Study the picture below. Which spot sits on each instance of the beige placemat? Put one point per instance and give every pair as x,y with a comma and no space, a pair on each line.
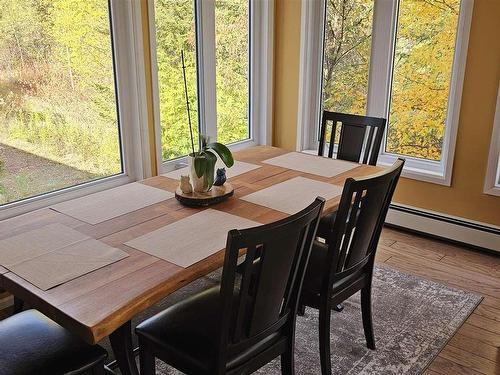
293,195
98,207
192,239
24,246
239,167
59,266
307,163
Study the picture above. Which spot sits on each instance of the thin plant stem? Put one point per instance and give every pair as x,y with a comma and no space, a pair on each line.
187,101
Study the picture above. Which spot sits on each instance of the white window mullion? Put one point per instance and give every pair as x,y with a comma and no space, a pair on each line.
381,58
131,88
261,79
456,86
207,102
310,75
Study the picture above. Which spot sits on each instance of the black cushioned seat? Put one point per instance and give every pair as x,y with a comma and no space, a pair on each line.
31,343
189,330
326,224
318,265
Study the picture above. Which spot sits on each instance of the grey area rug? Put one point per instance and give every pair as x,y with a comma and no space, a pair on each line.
413,321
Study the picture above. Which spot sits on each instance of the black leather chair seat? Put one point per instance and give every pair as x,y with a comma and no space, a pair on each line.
316,268
326,224
189,331
316,271
31,343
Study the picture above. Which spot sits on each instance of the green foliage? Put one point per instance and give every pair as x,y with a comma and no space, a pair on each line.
347,53
57,96
175,31
422,72
423,60
232,59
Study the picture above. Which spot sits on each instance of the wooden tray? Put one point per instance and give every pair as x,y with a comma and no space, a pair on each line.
215,195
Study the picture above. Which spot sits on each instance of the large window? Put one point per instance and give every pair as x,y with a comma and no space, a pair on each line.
58,120
215,37
400,59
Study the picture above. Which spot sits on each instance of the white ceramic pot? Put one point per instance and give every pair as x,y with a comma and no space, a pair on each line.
200,185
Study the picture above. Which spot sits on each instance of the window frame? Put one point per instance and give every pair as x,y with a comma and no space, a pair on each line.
379,83
261,34
492,177
130,93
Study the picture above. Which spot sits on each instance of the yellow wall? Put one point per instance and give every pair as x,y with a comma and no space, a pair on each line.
286,72
465,197
149,85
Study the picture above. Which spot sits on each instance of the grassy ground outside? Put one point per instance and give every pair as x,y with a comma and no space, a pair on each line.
25,174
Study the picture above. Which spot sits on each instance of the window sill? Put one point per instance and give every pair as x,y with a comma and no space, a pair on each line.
415,169
45,200
493,190
419,169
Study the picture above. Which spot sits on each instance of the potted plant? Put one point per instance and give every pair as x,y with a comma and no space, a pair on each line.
202,163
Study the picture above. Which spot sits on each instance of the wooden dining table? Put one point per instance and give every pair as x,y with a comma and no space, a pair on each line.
102,303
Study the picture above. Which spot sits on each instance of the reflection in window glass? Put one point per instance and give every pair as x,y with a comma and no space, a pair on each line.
58,119
425,46
232,61
175,31
348,29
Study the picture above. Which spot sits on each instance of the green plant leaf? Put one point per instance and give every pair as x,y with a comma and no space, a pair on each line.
200,163
223,152
211,160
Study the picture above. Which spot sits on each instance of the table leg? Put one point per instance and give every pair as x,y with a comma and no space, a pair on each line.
121,343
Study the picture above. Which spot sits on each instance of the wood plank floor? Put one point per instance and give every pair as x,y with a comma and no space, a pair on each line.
475,348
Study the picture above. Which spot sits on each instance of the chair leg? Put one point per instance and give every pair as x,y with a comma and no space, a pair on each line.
301,310
146,359
324,339
366,312
287,359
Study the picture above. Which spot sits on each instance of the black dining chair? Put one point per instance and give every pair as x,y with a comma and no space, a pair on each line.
247,321
359,141
32,344
360,137
343,266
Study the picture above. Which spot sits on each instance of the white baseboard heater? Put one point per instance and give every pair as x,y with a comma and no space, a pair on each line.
459,230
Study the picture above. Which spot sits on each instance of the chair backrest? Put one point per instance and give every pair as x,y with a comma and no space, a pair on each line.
264,300
356,230
360,137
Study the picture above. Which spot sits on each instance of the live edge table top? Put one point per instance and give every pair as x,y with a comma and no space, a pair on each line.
96,304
